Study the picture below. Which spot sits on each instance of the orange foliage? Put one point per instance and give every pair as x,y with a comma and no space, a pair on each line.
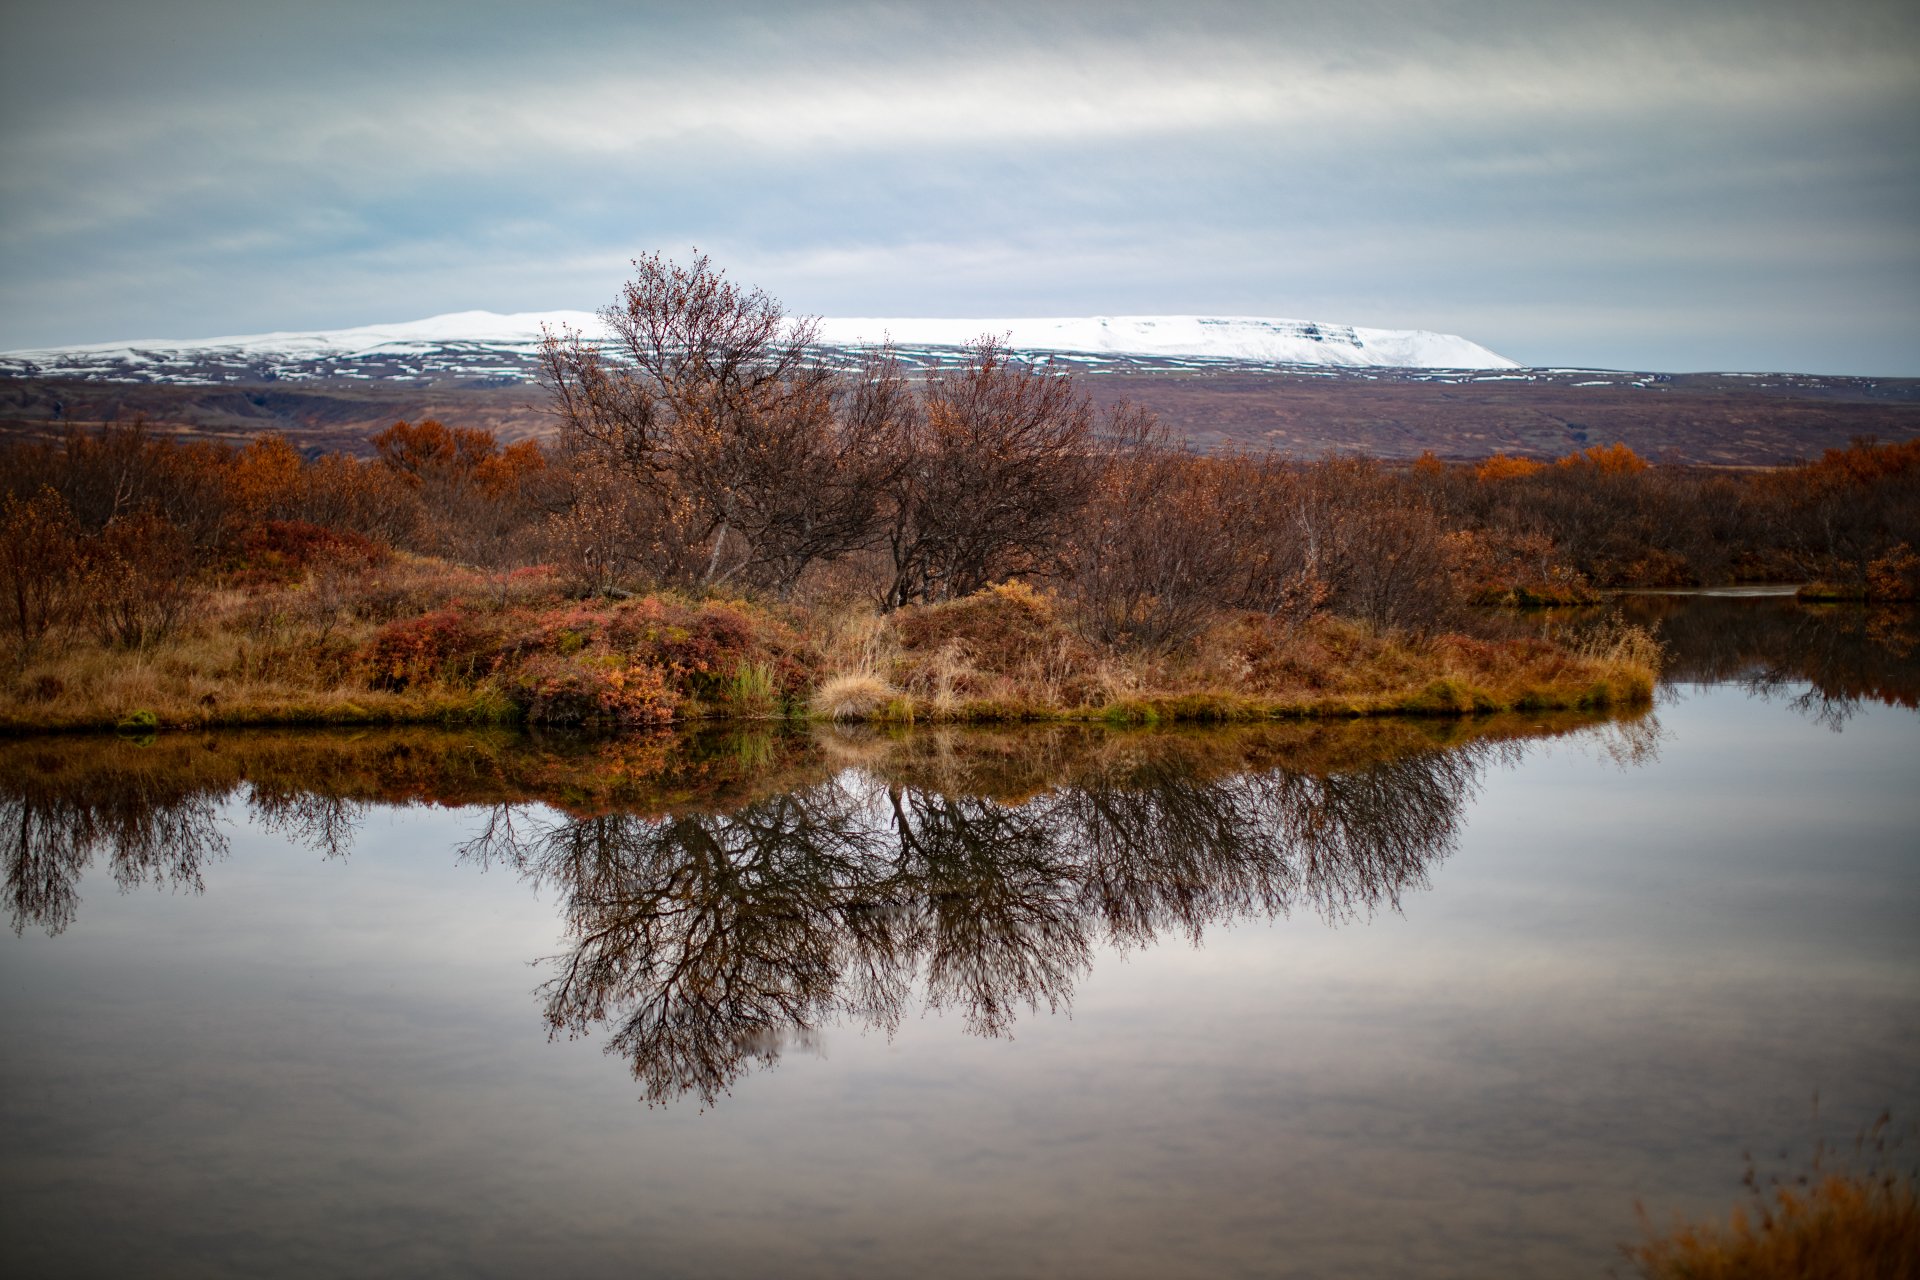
1840,1226
266,478
1607,460
500,474
429,447
419,650
1502,467
1894,576
1863,463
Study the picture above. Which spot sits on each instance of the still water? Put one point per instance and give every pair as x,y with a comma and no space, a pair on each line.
1397,999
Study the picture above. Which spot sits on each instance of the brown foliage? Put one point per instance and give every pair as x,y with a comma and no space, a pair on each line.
37,559
996,470
136,580
1153,558
714,409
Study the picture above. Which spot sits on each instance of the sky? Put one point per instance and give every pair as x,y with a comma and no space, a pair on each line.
1665,186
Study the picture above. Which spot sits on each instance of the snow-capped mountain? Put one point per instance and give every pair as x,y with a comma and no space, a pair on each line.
482,346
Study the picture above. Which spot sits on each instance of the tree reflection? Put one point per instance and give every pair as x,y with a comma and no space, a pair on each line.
710,941
150,832
724,898
1825,661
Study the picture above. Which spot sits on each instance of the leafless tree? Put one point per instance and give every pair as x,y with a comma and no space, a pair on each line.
707,391
996,468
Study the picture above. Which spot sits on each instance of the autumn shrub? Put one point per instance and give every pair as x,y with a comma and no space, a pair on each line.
136,580
1374,549
38,552
283,550
1151,561
1858,1219
364,498
1517,567
704,647
598,689
267,479
447,644
1502,467
607,532
1894,576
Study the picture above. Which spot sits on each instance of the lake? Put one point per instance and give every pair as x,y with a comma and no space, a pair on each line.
1397,998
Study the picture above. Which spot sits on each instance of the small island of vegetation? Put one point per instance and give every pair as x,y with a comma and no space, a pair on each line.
725,527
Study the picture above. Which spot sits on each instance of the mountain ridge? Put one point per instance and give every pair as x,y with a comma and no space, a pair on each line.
504,347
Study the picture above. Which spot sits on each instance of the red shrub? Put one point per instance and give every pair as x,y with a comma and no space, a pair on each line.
609,692
434,646
282,550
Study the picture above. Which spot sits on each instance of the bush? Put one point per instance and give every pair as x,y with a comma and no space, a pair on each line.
416,651
37,555
1152,563
597,691
283,550
1860,1223
136,581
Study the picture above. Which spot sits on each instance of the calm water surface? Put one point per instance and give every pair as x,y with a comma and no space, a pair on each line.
1394,1000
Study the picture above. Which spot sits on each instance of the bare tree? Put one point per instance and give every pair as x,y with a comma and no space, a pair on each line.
996,466
707,392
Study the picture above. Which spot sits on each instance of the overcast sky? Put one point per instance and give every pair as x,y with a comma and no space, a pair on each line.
1657,186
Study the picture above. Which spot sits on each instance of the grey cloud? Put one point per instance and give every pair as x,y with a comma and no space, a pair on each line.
1590,184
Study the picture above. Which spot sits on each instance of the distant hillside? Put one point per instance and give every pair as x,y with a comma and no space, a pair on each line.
1718,419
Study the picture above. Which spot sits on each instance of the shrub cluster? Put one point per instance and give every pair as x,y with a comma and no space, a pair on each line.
1604,516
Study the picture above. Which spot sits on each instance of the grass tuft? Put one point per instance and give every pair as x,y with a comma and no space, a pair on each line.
854,696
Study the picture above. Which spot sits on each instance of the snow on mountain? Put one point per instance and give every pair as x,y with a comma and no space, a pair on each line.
1241,338
486,345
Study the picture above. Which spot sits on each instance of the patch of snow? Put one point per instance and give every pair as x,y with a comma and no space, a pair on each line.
484,334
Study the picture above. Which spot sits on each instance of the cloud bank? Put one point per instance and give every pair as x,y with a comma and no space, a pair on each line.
1651,186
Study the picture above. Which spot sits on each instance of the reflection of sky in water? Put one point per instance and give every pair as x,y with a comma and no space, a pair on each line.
1621,978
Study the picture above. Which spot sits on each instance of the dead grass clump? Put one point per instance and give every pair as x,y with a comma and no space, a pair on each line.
853,696
1007,644
1004,629
1861,1223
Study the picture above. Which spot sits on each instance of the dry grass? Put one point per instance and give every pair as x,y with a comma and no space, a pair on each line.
855,696
1842,1227
363,649
1855,1223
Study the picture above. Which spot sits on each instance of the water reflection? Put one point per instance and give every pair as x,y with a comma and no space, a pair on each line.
724,897
1823,660
707,941
154,828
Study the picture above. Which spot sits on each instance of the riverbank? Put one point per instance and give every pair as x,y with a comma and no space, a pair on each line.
426,643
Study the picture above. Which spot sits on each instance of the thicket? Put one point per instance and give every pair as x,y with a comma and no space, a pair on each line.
1847,522
705,454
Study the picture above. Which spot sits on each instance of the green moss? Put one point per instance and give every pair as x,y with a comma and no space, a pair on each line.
141,721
